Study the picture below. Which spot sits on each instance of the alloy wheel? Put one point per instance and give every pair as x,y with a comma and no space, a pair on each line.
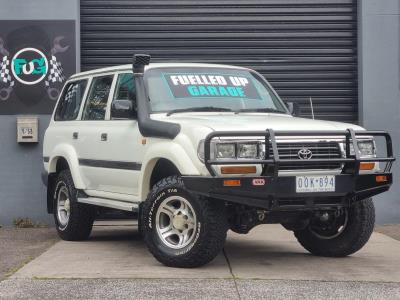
176,222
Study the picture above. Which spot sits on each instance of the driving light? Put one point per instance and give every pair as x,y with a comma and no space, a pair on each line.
226,150
247,150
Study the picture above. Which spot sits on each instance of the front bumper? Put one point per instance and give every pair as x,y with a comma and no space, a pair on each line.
279,193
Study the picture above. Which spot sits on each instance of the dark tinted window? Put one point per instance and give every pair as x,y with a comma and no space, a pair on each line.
71,100
125,89
96,103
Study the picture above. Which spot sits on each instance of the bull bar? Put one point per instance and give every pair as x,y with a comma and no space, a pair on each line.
279,192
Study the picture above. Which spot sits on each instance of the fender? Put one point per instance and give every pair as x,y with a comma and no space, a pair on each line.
68,152
171,151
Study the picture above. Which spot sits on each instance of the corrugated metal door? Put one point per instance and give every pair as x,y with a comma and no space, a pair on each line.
305,48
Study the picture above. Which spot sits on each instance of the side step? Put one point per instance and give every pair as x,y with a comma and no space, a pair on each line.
127,206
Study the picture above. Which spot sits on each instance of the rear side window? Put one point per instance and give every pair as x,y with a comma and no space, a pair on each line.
70,102
96,103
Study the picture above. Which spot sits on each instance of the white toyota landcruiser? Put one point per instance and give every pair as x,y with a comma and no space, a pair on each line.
197,149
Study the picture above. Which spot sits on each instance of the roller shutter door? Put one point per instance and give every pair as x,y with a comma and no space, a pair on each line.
305,48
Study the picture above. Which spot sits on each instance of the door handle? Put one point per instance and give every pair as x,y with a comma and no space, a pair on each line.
75,135
104,137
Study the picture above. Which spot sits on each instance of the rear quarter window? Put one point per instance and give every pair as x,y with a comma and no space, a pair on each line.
70,101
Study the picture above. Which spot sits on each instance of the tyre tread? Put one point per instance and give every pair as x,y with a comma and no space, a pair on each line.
355,236
81,220
215,225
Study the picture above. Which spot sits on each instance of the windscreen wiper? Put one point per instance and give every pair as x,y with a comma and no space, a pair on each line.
265,109
198,109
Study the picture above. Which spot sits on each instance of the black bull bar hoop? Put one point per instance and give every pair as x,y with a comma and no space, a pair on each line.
351,162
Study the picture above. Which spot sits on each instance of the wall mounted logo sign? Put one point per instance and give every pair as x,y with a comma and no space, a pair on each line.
29,66
36,57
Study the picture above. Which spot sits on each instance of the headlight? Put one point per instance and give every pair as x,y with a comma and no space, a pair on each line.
226,150
230,150
247,150
367,148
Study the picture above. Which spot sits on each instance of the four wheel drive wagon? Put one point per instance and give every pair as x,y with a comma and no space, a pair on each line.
197,149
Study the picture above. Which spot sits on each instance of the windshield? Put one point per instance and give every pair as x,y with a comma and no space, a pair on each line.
219,89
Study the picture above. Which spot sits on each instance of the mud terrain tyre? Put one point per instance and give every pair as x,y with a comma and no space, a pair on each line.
180,229
74,221
356,233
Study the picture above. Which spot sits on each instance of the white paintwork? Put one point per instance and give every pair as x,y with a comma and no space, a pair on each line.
111,195
251,121
109,203
111,187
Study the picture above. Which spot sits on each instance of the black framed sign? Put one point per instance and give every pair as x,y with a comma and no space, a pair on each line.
36,57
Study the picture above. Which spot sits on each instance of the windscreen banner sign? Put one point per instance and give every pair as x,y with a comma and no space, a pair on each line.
36,57
211,86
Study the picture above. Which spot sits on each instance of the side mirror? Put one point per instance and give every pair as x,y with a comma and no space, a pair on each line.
122,109
294,108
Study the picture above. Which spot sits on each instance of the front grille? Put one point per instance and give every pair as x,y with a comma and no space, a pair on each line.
320,150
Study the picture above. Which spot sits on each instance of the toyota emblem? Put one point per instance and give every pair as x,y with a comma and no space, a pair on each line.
304,153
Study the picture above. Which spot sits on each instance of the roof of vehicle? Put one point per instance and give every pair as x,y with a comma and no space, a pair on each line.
128,67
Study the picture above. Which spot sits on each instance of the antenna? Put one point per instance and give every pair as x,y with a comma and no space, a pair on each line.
312,109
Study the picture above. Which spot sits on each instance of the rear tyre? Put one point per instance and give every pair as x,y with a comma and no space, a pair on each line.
74,221
341,233
180,229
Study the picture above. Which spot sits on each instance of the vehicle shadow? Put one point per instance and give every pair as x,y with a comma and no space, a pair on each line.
237,246
267,252
115,233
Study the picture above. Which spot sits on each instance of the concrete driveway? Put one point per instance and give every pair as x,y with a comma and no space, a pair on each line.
268,263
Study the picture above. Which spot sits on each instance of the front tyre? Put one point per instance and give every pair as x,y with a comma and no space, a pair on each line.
180,229
339,233
73,220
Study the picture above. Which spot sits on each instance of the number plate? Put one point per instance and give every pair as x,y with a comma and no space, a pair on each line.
315,184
